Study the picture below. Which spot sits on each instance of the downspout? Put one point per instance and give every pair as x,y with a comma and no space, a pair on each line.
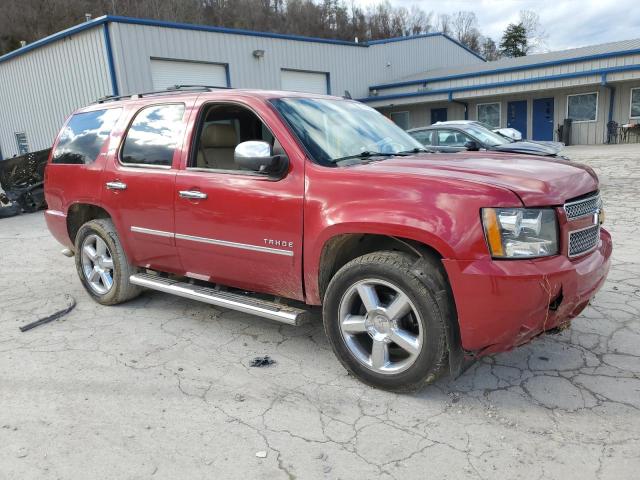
612,95
464,104
110,63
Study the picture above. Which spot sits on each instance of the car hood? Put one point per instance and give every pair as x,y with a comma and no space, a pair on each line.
537,181
531,148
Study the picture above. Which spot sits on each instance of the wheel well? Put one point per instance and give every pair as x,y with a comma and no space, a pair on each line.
81,213
341,249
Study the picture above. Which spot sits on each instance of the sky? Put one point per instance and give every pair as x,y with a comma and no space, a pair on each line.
568,23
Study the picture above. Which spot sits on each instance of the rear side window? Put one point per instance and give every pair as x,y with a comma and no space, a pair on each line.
154,135
424,137
82,138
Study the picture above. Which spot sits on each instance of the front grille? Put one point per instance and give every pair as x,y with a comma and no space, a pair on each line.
582,208
583,241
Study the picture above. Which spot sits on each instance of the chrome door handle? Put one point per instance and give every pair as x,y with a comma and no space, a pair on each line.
116,185
192,194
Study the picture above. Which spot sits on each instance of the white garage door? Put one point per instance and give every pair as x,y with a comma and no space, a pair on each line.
167,73
310,82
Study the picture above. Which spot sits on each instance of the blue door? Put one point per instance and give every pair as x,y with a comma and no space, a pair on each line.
543,119
438,115
517,116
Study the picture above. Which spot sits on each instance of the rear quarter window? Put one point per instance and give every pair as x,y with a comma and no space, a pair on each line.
84,135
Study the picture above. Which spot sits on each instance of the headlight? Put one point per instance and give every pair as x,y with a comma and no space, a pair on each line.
520,232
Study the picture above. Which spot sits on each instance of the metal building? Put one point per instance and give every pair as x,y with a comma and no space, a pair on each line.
414,80
42,83
534,94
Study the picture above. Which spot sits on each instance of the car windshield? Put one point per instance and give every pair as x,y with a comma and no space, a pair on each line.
335,130
485,135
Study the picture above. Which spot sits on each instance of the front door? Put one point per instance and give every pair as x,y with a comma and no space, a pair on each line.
517,116
138,184
236,227
543,119
438,115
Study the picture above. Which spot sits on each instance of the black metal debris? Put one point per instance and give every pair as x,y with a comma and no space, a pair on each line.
22,179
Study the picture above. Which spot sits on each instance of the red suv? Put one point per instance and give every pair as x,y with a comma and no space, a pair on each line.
265,201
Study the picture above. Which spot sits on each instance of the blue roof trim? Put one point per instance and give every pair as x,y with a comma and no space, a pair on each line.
424,35
524,81
53,38
518,68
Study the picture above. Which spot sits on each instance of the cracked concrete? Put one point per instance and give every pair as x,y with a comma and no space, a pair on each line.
161,387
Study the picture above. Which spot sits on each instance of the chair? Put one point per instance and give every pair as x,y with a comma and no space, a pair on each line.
217,146
613,132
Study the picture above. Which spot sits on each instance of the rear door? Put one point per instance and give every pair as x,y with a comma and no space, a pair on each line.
236,227
139,181
542,119
517,116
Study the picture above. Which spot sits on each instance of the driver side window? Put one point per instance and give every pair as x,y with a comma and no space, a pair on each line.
221,129
452,138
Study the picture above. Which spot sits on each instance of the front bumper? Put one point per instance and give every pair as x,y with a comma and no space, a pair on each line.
505,303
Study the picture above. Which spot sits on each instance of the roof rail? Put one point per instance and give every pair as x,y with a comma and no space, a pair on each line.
167,91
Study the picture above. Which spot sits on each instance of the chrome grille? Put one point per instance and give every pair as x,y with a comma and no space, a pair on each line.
583,241
582,208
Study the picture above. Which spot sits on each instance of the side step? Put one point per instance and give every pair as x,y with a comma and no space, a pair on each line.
262,308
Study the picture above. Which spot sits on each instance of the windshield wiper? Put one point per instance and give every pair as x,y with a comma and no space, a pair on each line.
417,150
365,154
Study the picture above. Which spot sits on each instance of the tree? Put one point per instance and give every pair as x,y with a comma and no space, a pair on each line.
489,49
464,26
536,35
514,41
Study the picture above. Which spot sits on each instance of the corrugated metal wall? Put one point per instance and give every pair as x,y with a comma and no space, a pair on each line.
350,67
40,89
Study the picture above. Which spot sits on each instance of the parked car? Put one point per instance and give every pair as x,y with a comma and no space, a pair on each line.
459,136
508,133
270,202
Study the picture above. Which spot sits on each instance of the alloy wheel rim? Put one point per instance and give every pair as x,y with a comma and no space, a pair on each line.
97,264
381,326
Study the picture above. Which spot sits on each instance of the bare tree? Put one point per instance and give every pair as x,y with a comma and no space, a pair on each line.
536,34
465,29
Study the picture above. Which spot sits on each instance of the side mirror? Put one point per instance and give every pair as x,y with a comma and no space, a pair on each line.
472,145
255,155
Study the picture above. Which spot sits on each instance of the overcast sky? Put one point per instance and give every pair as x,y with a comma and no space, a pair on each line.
569,23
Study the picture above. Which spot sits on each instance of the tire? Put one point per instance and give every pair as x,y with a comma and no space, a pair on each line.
100,236
407,312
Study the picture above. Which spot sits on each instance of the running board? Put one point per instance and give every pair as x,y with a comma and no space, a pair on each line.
242,303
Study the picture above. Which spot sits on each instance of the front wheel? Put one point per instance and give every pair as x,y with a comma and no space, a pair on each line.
384,323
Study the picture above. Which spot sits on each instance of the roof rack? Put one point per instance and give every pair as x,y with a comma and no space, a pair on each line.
167,91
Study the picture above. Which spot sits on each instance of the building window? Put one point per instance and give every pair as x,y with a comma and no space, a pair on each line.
489,114
84,135
582,107
401,119
154,135
23,145
634,110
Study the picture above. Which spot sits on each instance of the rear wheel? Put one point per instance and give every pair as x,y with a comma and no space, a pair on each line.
384,323
102,265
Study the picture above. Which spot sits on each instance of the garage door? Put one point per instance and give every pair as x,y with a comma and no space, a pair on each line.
167,73
310,82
